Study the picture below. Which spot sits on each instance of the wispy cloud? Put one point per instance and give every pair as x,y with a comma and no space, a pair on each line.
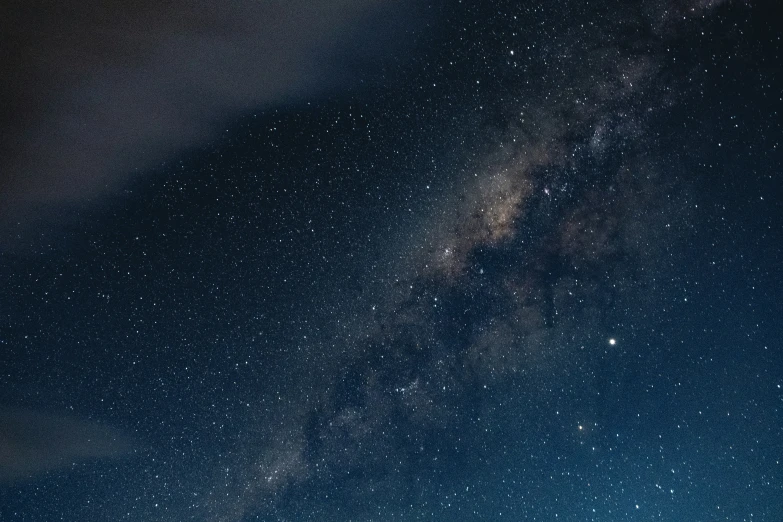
33,443
96,91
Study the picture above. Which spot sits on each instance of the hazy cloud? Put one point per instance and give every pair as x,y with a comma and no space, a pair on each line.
33,443
95,91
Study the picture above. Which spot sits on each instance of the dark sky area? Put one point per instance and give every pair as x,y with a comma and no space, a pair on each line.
363,260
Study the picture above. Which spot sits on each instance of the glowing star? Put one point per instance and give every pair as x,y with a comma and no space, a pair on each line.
612,341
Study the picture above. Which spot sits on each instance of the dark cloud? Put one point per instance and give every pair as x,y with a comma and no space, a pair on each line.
94,92
33,443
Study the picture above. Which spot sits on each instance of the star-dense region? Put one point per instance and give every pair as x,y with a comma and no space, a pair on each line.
392,261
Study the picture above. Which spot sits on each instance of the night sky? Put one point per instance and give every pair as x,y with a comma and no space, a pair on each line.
364,260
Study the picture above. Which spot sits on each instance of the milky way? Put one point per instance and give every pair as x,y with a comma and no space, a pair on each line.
511,262
518,284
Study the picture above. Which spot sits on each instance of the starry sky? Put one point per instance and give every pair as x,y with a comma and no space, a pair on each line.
364,260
